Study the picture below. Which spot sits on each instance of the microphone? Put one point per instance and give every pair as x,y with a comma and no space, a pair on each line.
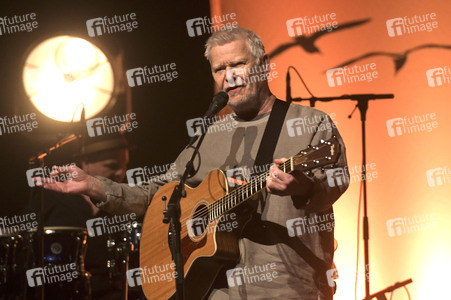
288,80
219,102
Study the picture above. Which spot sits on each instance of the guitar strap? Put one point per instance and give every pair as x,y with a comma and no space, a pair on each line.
268,143
274,232
271,135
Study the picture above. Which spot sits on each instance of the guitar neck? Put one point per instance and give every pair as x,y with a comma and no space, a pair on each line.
325,153
241,194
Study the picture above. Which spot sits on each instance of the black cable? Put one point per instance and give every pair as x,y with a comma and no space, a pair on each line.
358,241
73,117
302,80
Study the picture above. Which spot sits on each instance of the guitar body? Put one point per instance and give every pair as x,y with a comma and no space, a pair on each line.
206,215
205,250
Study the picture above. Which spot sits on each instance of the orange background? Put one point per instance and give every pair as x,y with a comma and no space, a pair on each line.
401,188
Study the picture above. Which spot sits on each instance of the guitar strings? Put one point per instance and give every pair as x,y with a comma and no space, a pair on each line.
218,204
222,202
208,210
219,207
225,201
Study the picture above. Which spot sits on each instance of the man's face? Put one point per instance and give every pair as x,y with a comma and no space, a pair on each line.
109,164
228,63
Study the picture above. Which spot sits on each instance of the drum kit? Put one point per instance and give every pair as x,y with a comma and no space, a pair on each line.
64,272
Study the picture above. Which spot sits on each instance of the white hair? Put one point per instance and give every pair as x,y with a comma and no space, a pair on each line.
237,33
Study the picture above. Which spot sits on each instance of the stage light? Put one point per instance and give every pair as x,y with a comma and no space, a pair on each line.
64,71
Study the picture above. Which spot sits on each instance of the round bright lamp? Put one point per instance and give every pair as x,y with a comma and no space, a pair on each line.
63,72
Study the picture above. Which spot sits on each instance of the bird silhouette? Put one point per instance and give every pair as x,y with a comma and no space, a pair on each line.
308,43
399,59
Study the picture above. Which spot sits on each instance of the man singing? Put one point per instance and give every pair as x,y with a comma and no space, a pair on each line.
292,228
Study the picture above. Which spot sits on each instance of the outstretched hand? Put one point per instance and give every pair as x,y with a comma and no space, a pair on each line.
66,179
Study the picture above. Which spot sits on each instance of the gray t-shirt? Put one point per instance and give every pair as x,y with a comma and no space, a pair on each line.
288,246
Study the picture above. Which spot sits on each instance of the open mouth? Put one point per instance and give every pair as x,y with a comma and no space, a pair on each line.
235,89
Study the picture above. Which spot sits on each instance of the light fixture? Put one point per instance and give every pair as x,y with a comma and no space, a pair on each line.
65,71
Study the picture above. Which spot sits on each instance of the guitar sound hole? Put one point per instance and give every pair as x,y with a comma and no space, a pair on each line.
199,222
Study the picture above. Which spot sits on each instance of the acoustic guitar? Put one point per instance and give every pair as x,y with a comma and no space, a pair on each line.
207,213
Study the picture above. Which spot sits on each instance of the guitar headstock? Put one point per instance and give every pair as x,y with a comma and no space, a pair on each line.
323,154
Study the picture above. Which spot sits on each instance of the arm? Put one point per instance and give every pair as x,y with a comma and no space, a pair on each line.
77,182
112,197
312,193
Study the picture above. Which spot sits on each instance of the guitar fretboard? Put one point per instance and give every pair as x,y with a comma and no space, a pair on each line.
256,184
324,153
242,193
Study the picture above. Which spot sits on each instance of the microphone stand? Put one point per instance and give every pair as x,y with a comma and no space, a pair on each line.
38,160
381,294
38,192
172,216
362,105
